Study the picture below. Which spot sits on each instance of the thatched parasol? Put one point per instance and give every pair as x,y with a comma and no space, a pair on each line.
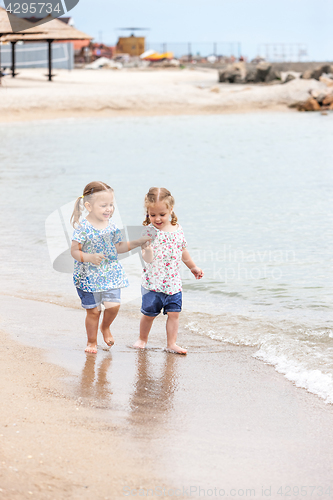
9,21
49,32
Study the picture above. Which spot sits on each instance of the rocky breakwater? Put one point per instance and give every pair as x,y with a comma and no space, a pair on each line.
272,73
319,87
241,72
319,99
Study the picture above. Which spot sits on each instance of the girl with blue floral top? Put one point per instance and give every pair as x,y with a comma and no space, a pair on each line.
161,280
98,275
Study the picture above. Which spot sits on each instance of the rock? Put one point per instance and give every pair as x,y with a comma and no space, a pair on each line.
316,74
251,75
296,105
328,100
224,76
289,78
262,71
307,75
326,80
215,89
308,105
321,97
273,75
314,93
234,73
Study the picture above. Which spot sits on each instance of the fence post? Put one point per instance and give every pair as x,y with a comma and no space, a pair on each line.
13,59
189,52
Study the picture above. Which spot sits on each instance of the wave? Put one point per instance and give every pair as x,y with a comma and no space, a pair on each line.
303,353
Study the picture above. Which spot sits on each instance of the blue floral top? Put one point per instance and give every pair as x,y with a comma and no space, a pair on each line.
109,274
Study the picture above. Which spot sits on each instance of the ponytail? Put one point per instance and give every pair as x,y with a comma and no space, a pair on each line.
146,222
77,212
174,218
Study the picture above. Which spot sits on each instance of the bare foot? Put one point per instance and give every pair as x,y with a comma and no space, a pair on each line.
176,349
140,344
107,336
91,348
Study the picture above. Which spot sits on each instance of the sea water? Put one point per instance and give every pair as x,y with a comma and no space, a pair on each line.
254,196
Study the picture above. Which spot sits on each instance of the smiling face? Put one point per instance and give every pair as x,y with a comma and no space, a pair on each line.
100,207
159,215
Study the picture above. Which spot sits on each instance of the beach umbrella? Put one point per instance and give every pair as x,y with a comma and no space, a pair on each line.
10,24
49,31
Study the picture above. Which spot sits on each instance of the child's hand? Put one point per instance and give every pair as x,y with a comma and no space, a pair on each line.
145,241
147,246
96,258
197,272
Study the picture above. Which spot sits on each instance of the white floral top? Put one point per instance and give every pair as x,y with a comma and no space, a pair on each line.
163,274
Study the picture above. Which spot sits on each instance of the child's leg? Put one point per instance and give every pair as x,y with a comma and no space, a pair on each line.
110,313
172,332
145,327
92,320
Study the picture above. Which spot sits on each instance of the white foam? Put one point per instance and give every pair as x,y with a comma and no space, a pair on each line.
293,357
313,381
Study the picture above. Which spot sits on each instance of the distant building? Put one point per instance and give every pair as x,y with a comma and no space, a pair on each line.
132,45
67,20
101,50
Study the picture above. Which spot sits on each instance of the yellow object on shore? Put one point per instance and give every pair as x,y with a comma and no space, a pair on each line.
158,57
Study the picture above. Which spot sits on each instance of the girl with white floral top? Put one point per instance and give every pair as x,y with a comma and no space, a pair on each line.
161,280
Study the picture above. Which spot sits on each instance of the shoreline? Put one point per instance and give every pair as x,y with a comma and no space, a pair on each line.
31,116
217,413
109,93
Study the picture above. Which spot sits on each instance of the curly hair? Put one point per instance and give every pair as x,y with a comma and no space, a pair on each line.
156,194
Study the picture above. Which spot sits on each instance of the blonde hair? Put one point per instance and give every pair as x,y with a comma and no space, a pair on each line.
159,194
89,190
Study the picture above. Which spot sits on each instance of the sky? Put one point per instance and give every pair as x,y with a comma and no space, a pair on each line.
250,22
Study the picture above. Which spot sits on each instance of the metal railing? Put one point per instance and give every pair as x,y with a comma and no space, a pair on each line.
283,52
197,49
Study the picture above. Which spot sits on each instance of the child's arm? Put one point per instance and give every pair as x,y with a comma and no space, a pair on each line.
147,253
127,246
77,254
187,259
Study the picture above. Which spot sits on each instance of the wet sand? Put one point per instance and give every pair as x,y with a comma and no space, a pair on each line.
83,426
84,93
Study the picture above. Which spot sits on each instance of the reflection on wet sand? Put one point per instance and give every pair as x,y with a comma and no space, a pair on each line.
138,387
153,393
94,383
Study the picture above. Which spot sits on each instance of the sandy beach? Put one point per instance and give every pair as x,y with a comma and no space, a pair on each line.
124,423
139,93
216,423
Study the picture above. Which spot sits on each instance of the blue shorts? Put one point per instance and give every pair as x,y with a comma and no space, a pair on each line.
154,302
90,300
